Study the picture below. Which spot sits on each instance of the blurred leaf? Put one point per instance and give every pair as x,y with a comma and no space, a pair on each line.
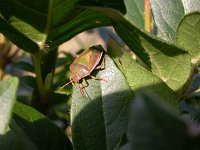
25,99
22,137
9,141
196,117
61,112
48,81
154,126
59,105
188,106
58,98
8,94
62,73
29,81
188,34
101,110
60,62
125,147
24,66
123,142
35,131
138,77
67,60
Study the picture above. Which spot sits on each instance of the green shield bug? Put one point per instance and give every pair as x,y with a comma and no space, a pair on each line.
84,64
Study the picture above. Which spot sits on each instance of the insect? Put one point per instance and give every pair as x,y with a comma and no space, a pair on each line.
84,64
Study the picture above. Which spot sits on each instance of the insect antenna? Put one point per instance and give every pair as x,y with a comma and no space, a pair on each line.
67,84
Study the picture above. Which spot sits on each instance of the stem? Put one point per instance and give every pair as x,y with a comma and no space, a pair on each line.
44,63
147,15
1,70
40,83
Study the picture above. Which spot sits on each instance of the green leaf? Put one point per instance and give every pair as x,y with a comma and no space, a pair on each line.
133,10
152,121
98,114
125,147
188,34
88,130
9,141
62,76
45,25
35,131
134,14
25,66
191,6
167,15
64,61
137,76
87,19
16,36
8,93
116,98
29,81
167,61
34,19
195,117
119,4
23,138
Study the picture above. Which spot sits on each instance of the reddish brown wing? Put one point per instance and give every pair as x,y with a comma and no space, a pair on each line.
86,62
79,69
95,59
90,58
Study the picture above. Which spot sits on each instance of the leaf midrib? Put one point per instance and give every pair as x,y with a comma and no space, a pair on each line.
27,7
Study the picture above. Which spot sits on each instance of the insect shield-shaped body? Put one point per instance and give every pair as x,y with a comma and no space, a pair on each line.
84,64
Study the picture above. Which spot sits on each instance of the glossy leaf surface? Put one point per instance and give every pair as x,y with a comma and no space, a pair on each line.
34,25
167,61
137,76
102,109
8,94
34,131
188,34
168,15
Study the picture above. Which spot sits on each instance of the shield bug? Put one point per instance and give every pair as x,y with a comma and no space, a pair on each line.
84,64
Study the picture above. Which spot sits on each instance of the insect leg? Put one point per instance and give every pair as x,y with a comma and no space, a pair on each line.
95,78
101,65
85,83
67,84
80,88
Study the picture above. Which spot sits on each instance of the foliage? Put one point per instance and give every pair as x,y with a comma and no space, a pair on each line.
135,106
